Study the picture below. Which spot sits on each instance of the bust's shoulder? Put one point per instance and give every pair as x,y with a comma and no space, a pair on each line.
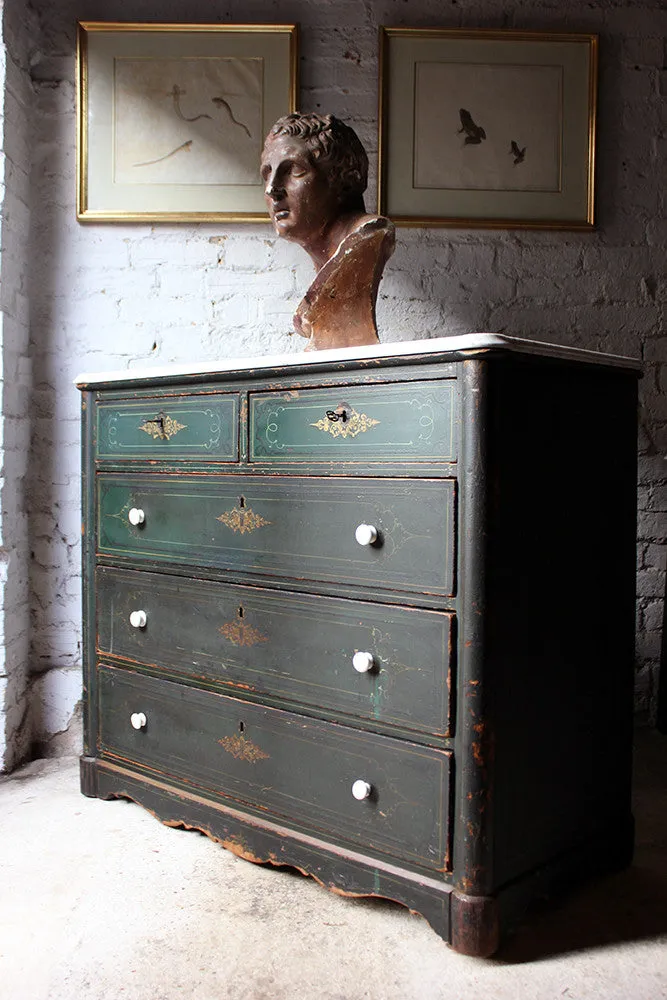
369,224
340,302
368,228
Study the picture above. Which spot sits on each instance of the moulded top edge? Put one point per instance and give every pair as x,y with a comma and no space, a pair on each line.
445,348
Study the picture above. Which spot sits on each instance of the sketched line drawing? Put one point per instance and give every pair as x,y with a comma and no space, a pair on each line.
220,102
185,147
518,154
176,93
474,133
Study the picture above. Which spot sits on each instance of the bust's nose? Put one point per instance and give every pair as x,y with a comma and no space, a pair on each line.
273,189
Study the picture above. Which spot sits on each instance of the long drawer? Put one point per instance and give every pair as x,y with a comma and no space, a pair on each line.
202,427
409,421
298,648
290,527
284,764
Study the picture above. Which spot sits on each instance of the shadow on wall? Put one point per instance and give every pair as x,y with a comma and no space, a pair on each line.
436,288
68,743
53,489
57,731
662,682
16,380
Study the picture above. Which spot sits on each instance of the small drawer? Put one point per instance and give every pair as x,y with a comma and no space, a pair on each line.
203,428
304,529
408,421
298,769
307,650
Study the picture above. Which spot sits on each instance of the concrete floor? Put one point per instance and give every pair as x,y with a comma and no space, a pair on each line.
100,901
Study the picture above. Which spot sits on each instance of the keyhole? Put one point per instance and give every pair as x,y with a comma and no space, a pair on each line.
241,611
241,727
340,413
241,502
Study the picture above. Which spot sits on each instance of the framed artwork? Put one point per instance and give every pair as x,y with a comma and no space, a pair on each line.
487,128
171,118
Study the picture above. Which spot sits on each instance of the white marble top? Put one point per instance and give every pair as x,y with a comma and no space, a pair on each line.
467,345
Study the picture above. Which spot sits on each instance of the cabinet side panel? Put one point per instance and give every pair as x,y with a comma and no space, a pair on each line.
560,608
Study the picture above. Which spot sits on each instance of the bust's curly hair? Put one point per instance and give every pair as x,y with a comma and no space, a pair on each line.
336,147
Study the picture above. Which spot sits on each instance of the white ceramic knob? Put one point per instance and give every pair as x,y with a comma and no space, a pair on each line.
138,619
361,789
138,720
135,515
362,662
366,534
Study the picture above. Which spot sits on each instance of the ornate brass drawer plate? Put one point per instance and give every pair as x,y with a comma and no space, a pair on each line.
369,423
298,528
287,765
203,427
299,648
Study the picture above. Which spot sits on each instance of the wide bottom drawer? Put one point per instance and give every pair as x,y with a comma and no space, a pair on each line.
299,769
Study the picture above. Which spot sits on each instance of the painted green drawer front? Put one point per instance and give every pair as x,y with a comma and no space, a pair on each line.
370,423
291,646
287,765
292,527
195,427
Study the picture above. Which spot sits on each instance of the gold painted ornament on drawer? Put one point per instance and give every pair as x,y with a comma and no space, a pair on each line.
241,634
243,749
242,520
163,426
347,423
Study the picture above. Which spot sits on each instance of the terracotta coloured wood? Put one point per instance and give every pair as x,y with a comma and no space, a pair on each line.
315,172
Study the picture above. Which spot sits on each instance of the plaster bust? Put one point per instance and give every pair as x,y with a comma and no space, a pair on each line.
315,171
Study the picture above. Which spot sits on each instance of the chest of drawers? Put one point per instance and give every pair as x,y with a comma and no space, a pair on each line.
371,614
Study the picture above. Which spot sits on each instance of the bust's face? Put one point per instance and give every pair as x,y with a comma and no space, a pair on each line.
300,199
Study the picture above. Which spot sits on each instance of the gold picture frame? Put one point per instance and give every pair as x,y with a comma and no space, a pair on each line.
487,128
171,118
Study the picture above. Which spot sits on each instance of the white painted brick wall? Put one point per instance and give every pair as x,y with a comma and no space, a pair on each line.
120,296
17,106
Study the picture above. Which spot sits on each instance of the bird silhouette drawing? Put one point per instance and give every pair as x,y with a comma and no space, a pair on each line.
518,154
473,133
